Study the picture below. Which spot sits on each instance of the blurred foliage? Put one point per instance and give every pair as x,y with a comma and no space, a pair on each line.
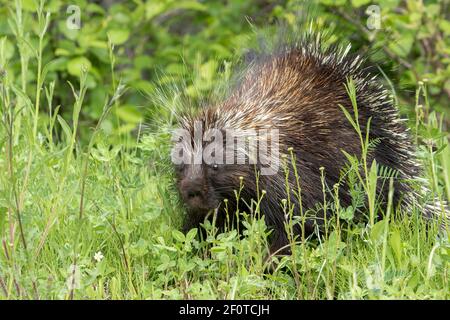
99,221
187,42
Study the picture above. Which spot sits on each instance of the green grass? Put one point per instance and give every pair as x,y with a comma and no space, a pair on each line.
101,220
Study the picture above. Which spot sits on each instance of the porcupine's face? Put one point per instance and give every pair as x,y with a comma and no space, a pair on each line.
203,189
196,184
211,157
196,180
204,184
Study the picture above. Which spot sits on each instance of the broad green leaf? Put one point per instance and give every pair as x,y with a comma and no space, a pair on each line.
373,177
76,65
129,114
402,46
118,36
178,235
154,8
191,234
334,246
191,5
30,5
396,245
444,25
66,128
334,2
359,3
376,234
217,249
7,47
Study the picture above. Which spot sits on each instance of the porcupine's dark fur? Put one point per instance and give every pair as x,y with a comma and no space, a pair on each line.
297,88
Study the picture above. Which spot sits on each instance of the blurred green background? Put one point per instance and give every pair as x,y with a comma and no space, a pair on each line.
160,42
99,206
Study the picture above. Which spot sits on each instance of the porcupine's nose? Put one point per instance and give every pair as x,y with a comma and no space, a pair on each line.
193,191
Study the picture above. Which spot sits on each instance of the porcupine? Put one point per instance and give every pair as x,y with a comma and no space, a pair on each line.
298,88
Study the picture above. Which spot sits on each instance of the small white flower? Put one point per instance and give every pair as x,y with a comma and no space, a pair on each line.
98,256
40,137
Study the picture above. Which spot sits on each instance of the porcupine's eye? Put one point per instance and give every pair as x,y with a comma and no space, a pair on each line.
179,168
214,167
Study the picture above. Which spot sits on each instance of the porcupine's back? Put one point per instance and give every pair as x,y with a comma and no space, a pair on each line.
298,89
